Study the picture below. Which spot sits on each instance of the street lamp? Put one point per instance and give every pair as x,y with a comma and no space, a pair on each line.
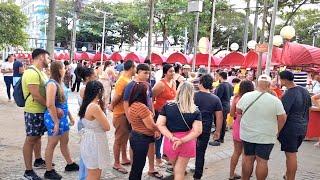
252,44
277,40
234,47
195,6
288,32
103,33
84,49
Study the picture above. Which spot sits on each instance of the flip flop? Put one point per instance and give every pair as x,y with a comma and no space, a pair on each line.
155,174
121,170
126,163
235,176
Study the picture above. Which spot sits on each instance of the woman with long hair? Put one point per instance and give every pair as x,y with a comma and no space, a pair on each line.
94,149
86,75
144,130
7,71
181,123
163,91
58,128
244,87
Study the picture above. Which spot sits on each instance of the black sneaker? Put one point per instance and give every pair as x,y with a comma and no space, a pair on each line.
52,175
31,175
214,143
72,167
40,164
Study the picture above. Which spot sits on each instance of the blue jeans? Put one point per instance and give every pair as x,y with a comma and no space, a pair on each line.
140,145
9,82
83,171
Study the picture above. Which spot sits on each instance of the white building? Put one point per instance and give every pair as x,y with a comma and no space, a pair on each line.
35,10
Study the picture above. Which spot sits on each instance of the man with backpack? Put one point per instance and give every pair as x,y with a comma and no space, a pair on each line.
33,88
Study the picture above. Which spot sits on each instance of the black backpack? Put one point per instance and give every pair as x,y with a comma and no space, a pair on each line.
18,92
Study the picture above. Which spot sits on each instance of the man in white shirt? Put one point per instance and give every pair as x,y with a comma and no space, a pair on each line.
263,117
316,84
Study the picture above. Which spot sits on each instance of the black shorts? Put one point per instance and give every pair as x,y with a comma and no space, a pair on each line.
261,150
290,143
34,123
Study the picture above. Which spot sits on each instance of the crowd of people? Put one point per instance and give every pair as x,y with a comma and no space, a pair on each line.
168,115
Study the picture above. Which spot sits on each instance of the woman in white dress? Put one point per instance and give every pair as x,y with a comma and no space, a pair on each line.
94,149
107,77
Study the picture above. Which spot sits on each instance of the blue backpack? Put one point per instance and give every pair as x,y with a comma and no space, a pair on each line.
18,92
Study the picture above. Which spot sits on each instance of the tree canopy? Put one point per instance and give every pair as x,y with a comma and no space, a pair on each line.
13,22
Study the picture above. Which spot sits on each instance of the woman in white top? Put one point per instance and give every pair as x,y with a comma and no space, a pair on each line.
94,143
107,77
7,71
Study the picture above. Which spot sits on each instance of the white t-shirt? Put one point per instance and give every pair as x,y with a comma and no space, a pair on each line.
158,75
6,66
315,87
259,123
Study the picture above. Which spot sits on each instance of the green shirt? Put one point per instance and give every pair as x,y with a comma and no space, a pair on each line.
259,124
30,76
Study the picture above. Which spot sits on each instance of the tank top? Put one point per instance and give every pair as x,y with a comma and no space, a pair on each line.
167,94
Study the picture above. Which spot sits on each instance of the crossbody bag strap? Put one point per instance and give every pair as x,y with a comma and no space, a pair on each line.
252,103
185,122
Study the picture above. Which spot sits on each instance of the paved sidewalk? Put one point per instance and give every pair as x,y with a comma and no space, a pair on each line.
12,136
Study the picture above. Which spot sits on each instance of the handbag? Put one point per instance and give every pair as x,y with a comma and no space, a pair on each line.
252,103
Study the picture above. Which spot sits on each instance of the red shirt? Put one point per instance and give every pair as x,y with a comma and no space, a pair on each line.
167,94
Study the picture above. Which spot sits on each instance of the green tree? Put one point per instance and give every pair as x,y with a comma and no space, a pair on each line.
64,19
13,22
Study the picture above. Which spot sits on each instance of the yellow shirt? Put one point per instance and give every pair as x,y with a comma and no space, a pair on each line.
236,89
34,77
119,88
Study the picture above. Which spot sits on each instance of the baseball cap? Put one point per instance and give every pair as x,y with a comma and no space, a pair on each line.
186,66
264,77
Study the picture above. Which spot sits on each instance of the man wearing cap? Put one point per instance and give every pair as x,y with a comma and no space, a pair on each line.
263,117
296,101
186,70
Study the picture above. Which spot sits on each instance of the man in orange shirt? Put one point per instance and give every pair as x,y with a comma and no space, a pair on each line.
120,121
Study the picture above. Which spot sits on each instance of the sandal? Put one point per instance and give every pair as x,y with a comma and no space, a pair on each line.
235,176
126,163
155,174
121,170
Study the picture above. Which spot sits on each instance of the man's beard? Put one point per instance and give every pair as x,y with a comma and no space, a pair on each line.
45,65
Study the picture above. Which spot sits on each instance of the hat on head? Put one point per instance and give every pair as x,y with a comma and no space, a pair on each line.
265,78
186,66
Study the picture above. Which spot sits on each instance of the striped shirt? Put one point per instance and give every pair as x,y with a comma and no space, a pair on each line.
301,78
136,113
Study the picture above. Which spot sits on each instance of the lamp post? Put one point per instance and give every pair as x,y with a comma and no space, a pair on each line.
211,34
103,32
287,33
195,6
271,34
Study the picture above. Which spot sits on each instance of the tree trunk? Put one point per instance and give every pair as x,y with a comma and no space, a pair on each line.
246,27
51,27
255,26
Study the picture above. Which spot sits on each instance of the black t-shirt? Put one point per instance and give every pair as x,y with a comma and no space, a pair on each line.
208,104
224,91
296,102
175,122
16,65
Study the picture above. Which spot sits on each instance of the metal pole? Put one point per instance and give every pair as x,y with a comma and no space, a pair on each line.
211,34
195,41
314,39
255,26
271,34
185,40
246,27
73,36
150,29
264,18
103,36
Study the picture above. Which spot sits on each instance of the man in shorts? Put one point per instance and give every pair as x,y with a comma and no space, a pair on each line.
263,117
33,86
120,121
296,101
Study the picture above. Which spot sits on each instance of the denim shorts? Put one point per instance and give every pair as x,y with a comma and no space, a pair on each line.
34,123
